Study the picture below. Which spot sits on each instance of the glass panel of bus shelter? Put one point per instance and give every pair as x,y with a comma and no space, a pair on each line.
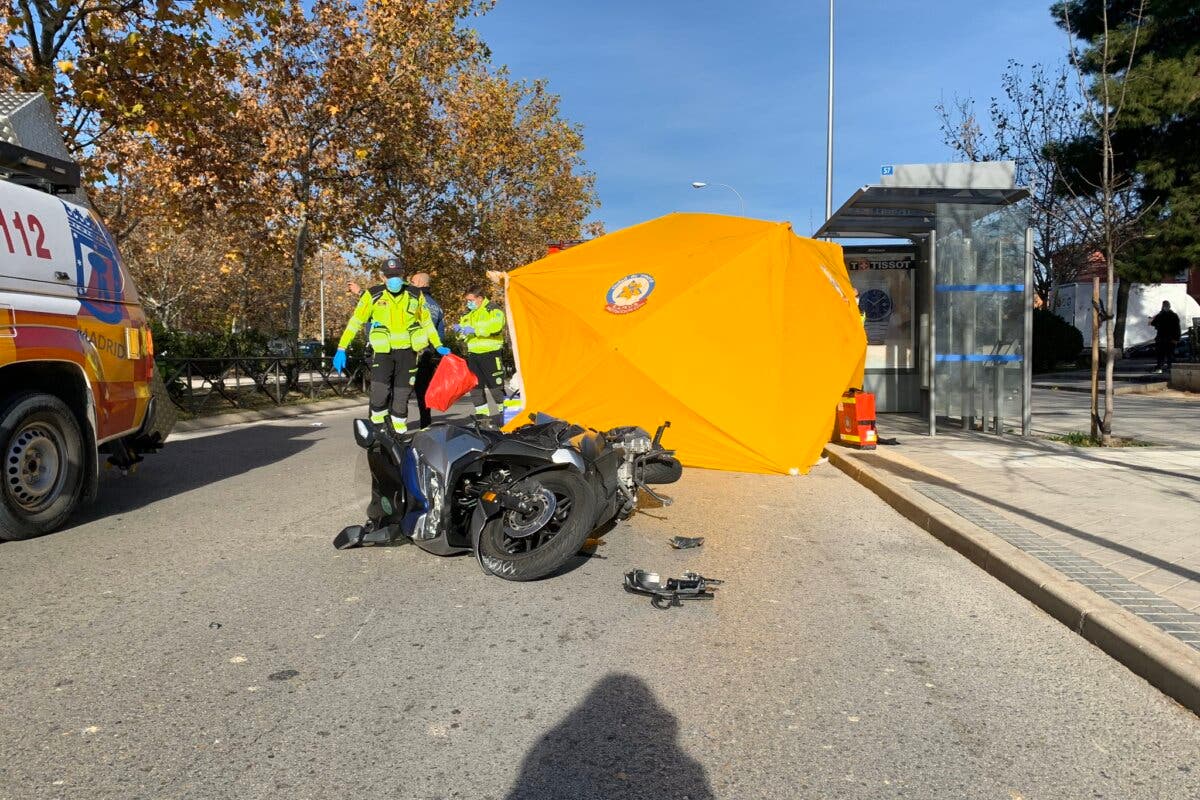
979,311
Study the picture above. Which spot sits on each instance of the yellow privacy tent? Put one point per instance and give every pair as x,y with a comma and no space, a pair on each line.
739,332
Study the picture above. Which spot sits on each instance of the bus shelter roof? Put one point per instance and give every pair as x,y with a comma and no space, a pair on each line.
883,212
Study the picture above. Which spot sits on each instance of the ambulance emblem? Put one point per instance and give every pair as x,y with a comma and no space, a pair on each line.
629,293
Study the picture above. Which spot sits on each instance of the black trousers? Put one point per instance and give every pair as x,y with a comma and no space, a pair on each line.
1165,351
427,363
488,369
392,377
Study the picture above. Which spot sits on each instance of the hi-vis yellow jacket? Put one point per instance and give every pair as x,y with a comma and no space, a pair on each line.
488,323
398,321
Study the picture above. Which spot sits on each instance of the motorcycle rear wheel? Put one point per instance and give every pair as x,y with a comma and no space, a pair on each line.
541,553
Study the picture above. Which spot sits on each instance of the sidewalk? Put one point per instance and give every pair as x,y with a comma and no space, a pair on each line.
1125,522
1131,376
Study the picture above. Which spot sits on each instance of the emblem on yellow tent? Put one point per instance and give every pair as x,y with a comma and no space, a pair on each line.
629,293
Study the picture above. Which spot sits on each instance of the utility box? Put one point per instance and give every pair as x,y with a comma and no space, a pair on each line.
856,420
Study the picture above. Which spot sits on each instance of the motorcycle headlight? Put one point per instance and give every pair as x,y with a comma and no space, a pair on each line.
433,489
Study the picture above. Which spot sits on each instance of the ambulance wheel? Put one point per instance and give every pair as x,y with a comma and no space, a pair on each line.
41,477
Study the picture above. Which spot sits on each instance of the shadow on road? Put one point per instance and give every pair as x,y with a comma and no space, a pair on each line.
182,466
618,743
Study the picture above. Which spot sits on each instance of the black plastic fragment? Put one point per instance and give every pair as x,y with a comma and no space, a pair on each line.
685,542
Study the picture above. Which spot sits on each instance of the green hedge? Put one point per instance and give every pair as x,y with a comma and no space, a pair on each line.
185,344
1055,341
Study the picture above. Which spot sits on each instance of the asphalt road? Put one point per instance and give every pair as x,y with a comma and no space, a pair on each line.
196,636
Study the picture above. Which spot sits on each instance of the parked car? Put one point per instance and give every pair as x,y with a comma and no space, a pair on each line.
310,348
1183,348
282,348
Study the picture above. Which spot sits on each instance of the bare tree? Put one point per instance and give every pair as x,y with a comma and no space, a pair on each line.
1040,109
1120,211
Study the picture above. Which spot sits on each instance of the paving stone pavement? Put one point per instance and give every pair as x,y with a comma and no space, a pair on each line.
1174,619
1133,512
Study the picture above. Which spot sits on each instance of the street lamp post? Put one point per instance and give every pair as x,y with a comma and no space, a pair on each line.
829,127
741,201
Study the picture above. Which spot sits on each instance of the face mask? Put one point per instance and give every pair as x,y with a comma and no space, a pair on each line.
472,305
395,284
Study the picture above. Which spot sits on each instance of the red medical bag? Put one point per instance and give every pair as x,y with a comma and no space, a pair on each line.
452,379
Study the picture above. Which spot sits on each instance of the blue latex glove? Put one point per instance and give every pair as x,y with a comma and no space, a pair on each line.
443,351
339,361
466,329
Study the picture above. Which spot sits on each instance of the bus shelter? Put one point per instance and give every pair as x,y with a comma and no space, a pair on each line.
945,289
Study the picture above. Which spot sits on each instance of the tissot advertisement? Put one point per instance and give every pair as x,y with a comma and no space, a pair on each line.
883,278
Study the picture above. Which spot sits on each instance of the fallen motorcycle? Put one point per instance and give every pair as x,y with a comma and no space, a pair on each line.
523,502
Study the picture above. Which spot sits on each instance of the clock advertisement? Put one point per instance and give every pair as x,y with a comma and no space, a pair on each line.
883,278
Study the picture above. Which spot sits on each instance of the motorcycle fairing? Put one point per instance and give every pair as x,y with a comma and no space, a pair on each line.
432,454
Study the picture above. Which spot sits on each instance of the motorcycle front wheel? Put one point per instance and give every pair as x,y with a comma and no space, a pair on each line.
662,469
538,553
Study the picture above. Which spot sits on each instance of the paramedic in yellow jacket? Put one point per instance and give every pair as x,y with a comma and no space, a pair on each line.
483,329
400,326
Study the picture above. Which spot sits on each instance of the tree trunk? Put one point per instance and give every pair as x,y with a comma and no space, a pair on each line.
1122,307
1111,355
1095,358
1052,291
298,276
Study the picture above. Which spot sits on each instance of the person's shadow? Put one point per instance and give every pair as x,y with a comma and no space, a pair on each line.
618,743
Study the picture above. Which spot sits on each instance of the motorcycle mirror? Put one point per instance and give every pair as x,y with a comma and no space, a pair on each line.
364,433
659,434
349,537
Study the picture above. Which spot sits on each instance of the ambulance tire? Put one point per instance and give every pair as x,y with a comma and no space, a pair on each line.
42,473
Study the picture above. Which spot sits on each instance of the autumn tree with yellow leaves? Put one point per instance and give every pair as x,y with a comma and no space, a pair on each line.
230,145
111,65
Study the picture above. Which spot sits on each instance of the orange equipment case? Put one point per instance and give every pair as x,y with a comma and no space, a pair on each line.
856,420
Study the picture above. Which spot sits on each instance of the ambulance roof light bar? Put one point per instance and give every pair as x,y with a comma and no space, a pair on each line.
30,168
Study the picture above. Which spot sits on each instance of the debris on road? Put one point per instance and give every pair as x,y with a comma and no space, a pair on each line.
685,542
672,591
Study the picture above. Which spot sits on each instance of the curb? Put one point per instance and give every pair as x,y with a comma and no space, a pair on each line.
279,412
1128,388
1164,661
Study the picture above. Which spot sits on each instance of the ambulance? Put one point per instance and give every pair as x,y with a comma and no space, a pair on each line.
76,356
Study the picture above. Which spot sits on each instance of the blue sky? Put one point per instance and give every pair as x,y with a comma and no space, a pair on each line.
670,91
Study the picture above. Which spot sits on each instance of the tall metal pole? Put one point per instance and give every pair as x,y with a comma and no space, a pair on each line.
829,127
